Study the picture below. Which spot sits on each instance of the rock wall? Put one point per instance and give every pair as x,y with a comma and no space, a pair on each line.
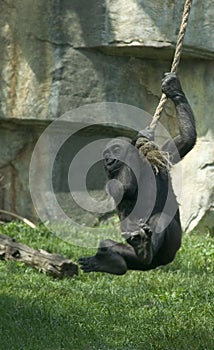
58,55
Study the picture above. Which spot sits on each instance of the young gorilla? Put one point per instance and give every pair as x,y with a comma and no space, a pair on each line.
149,213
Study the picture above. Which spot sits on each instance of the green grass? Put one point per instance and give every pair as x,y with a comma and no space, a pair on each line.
170,308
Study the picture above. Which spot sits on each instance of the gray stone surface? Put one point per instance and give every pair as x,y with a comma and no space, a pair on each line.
156,23
59,55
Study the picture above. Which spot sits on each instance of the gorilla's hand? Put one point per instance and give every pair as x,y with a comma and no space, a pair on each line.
171,85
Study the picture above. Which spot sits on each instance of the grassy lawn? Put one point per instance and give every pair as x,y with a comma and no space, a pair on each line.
171,308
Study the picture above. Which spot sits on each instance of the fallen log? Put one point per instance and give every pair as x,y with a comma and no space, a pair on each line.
54,264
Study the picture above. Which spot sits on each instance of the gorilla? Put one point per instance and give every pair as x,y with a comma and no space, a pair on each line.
140,184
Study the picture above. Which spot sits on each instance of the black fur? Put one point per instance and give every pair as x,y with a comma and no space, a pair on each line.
146,204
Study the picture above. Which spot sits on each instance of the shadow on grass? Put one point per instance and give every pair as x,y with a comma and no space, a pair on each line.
26,324
29,324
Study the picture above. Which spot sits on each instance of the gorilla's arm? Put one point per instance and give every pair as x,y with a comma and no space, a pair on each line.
186,139
146,203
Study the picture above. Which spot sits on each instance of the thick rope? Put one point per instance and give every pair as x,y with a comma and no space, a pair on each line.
175,62
150,151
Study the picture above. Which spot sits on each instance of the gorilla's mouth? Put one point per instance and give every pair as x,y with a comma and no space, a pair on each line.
112,163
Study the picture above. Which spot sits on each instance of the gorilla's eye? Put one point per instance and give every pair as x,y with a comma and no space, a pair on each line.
106,155
116,150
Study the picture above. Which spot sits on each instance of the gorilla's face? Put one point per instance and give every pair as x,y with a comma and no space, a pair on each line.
115,154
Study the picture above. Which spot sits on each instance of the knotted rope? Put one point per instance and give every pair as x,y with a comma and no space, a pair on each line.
158,159
176,60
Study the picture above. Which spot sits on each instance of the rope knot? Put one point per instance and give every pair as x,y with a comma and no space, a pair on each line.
150,151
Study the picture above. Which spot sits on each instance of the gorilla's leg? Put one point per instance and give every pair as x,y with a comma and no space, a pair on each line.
166,237
157,242
107,259
117,258
171,243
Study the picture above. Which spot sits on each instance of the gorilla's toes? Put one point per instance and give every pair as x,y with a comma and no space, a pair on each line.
85,264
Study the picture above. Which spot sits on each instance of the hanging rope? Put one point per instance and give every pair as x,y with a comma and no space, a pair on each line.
175,62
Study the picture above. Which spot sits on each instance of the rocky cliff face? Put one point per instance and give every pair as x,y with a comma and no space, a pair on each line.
58,55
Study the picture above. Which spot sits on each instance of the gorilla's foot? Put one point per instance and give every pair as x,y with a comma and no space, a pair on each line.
142,243
104,260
